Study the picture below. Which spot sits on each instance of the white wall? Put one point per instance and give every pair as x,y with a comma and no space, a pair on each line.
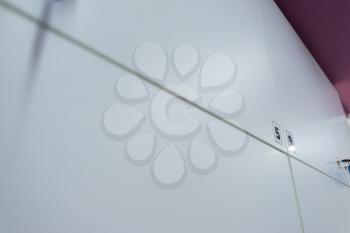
68,167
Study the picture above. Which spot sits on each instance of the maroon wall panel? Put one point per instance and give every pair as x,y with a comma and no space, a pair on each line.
324,26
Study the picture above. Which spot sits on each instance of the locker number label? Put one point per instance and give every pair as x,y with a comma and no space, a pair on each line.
277,133
290,139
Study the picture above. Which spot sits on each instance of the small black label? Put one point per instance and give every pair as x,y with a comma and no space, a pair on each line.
277,133
290,139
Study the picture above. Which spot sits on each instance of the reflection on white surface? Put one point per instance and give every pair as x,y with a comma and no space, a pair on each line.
292,148
68,178
236,28
173,120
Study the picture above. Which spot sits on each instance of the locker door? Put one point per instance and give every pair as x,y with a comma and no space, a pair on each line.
217,48
324,202
93,157
310,106
13,63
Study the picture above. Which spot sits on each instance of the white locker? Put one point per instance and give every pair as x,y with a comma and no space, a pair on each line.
68,175
275,77
310,106
15,54
324,202
229,32
87,146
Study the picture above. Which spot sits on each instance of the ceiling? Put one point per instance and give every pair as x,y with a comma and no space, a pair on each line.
324,27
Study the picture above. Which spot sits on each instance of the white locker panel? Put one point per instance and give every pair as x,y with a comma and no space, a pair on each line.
69,175
324,203
190,42
310,106
14,58
13,73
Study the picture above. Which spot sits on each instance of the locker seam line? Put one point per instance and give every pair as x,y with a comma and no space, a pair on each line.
17,11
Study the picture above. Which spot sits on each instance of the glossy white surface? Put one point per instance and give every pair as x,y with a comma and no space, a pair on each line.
14,57
88,147
225,33
324,203
310,107
68,175
274,69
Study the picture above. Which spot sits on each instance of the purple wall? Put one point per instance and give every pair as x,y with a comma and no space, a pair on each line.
324,26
